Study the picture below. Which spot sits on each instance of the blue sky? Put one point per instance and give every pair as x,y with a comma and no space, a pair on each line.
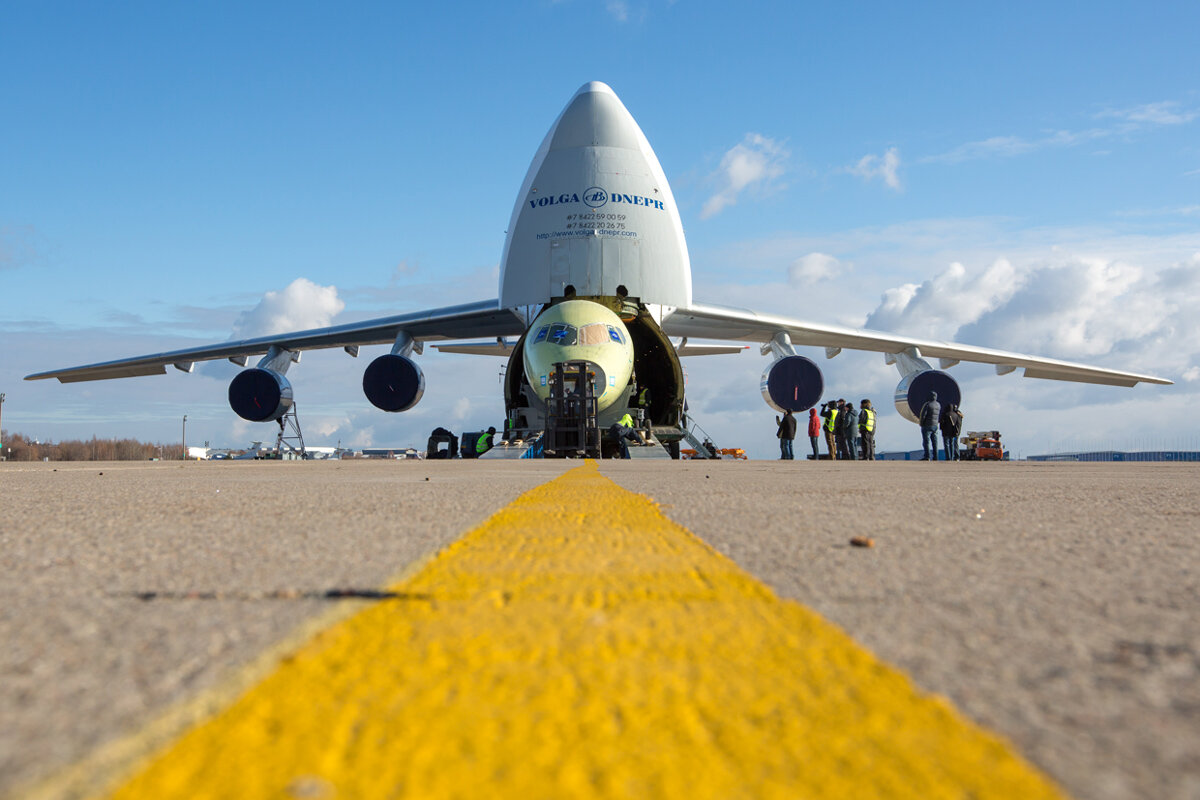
1024,177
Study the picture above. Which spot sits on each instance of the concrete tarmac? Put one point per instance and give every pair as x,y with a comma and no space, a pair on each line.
1053,603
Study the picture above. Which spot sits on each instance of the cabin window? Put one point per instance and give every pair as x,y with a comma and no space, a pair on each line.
595,333
541,334
615,335
562,333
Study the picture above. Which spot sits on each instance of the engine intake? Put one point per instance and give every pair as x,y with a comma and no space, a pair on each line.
913,391
793,383
260,395
393,383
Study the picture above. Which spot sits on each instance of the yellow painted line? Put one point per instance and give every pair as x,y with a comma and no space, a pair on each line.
580,644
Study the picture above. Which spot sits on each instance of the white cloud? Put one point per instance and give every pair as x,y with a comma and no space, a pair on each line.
619,10
1072,306
1167,112
938,307
752,164
302,305
1010,146
1129,120
884,167
814,268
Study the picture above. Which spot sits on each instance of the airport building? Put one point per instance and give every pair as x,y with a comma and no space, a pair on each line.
1117,455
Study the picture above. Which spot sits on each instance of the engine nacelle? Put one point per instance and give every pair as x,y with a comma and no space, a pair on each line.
792,383
260,395
913,391
393,383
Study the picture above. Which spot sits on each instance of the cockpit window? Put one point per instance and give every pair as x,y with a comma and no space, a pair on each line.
541,334
562,333
595,333
615,335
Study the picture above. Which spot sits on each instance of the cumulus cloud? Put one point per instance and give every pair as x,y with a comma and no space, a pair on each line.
938,307
752,164
884,167
813,268
302,305
1069,306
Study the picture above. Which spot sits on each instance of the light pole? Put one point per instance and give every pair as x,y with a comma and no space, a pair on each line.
184,456
1,427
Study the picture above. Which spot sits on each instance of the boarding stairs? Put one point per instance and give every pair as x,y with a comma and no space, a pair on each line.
700,441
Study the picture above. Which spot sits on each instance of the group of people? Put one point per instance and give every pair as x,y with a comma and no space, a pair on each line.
848,435
934,418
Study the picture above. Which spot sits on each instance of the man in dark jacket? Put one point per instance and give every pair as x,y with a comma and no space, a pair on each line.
839,436
931,412
951,424
849,426
786,434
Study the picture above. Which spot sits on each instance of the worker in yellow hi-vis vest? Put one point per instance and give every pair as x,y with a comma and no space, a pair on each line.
829,411
484,442
866,429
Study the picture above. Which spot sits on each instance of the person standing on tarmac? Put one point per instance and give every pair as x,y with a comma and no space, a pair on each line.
829,412
849,428
930,414
951,424
786,434
839,433
814,431
866,429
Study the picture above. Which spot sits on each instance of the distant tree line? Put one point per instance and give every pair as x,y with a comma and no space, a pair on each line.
18,447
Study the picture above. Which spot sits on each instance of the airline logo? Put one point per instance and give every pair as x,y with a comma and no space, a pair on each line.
595,197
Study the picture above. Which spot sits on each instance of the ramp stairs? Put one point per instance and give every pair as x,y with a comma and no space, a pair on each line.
700,441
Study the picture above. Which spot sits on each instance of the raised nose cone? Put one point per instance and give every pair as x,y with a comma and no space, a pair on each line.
595,86
595,214
595,117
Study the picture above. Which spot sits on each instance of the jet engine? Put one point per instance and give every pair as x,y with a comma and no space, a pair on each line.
792,383
913,391
260,395
393,382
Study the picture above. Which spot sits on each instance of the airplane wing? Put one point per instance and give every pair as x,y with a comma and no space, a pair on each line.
733,324
452,322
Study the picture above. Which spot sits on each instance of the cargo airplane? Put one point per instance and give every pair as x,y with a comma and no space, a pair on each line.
594,268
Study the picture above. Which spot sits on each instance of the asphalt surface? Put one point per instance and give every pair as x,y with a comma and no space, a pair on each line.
1053,603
